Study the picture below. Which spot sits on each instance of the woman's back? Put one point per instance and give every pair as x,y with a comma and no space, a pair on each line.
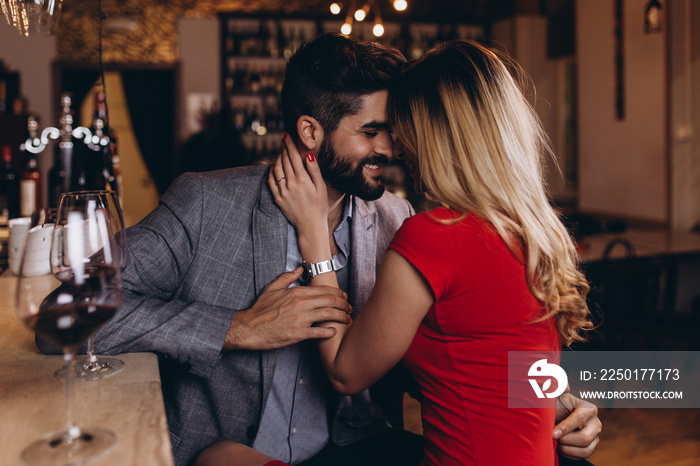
459,356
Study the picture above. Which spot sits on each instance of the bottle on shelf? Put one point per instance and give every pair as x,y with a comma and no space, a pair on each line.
65,148
282,43
30,184
3,94
56,178
9,188
19,106
9,91
104,176
272,41
3,90
240,116
254,79
264,38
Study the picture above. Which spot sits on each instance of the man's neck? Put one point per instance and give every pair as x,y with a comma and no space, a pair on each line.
336,204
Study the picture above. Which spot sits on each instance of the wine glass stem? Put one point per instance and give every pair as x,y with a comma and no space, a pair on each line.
72,431
91,350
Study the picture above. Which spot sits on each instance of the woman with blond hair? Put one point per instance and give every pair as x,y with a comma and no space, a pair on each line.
491,271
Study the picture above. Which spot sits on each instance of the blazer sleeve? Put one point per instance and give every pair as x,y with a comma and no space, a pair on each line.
151,317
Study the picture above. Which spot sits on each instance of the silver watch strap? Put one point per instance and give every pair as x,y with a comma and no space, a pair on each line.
317,268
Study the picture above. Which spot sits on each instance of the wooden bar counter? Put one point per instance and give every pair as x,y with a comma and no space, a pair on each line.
32,400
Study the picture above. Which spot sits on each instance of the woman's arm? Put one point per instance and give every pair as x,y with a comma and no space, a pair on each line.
383,331
363,351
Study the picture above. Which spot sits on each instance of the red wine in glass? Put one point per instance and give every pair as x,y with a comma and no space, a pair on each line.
69,315
69,325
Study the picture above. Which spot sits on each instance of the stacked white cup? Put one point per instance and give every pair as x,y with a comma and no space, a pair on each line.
36,241
18,235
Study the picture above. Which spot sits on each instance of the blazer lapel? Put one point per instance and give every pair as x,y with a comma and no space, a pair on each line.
269,232
363,266
269,240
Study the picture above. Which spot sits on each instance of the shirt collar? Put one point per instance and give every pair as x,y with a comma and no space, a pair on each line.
347,211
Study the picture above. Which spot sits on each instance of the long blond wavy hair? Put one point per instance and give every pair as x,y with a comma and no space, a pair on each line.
480,148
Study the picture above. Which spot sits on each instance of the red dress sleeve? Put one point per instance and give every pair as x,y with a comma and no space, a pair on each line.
429,246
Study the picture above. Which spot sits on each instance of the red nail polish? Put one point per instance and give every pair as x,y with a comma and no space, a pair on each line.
284,135
311,157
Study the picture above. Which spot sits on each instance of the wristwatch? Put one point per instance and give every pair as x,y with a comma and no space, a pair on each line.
317,268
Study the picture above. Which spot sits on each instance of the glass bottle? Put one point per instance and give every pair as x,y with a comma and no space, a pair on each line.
66,148
56,177
3,94
104,142
30,184
9,188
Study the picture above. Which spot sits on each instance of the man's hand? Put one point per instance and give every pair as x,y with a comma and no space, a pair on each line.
578,427
283,316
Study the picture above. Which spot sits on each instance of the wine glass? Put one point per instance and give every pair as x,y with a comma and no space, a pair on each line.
93,367
65,307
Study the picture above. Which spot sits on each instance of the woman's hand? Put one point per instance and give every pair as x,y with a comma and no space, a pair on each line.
299,190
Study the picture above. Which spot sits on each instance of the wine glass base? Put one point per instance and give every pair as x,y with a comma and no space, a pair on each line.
86,371
53,449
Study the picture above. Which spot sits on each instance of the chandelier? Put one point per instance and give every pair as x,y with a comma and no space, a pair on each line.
32,16
359,14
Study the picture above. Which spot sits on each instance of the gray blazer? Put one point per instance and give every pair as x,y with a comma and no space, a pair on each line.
214,242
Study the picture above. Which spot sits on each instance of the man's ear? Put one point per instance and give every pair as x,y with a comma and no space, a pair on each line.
310,132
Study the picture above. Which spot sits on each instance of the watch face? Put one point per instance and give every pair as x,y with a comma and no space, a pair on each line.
305,275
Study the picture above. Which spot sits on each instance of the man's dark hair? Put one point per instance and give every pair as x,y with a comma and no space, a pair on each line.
327,75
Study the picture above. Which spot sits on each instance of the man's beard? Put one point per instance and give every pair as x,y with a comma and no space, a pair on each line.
339,174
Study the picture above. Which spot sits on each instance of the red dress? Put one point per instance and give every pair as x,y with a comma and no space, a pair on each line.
459,356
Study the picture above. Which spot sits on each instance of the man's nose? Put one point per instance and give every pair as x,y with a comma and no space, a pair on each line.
397,151
384,145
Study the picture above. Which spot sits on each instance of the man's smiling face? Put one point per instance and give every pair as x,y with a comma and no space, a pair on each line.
351,160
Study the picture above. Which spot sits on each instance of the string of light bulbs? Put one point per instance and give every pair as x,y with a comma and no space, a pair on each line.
359,14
